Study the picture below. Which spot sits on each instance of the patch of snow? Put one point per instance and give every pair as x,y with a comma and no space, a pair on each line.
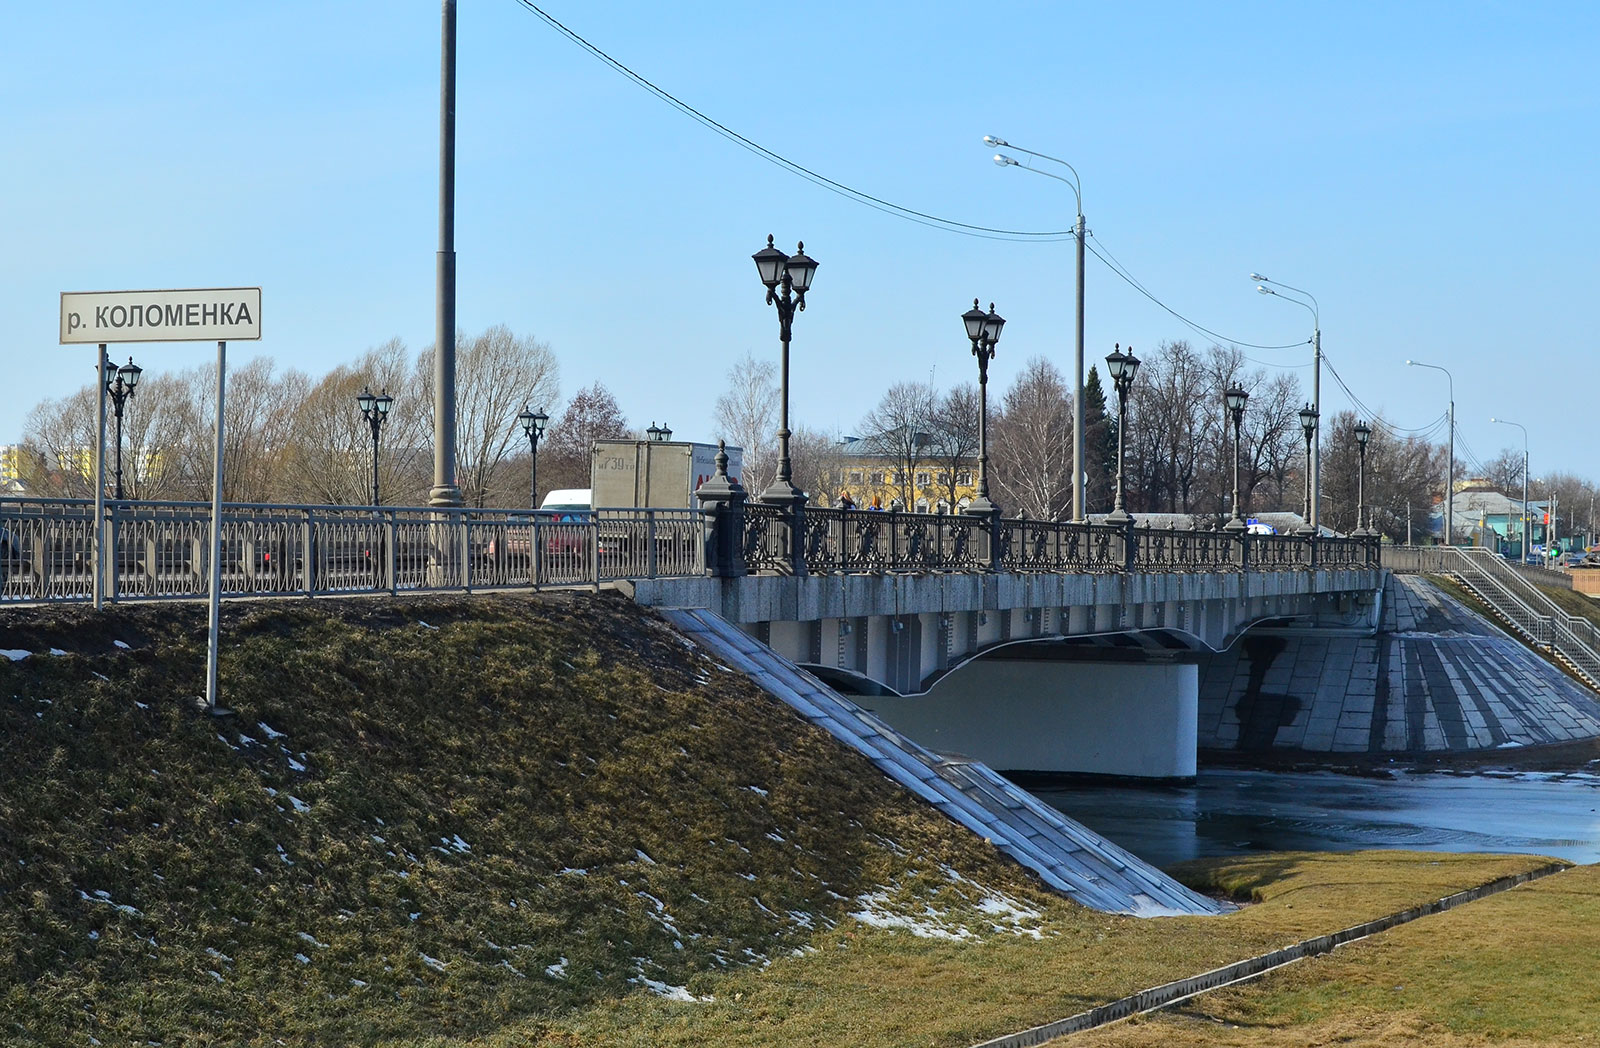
557,970
757,790
284,856
269,732
247,740
432,962
425,626
103,677
302,958
360,984
121,645
300,806
376,839
57,651
15,654
774,836
642,857
574,871
748,876
513,970
296,765
218,954
671,993
136,702
214,974
312,939
94,936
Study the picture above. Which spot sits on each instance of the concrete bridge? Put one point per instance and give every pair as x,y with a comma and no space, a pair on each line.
1033,646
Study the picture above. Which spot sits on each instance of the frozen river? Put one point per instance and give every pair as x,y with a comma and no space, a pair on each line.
1233,812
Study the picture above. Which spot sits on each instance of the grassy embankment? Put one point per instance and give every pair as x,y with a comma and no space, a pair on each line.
517,821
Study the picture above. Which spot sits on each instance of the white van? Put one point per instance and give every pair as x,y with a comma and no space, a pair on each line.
567,500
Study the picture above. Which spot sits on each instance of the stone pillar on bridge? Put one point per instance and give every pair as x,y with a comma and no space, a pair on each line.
722,500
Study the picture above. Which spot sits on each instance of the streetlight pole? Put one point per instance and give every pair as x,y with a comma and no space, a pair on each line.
1363,434
121,391
983,329
1522,550
1235,398
1079,478
445,493
376,410
1314,517
1122,368
1308,425
533,423
1450,469
793,274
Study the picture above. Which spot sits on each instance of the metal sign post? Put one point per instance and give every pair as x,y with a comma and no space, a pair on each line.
184,315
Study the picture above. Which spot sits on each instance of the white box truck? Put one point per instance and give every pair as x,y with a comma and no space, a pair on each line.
654,474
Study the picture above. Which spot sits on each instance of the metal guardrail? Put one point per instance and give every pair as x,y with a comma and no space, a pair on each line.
1513,596
161,550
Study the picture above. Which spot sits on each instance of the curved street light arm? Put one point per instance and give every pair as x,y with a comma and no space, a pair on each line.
1451,378
1316,313
1077,191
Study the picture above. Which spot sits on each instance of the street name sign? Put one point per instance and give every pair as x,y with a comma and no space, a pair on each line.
217,314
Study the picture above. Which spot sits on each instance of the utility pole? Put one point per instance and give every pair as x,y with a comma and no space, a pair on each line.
445,492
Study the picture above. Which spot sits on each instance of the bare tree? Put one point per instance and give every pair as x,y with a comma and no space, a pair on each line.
592,414
746,417
497,374
816,464
954,444
329,455
1030,449
1505,472
899,430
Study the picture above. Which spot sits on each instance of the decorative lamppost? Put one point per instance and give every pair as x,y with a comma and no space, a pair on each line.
1235,398
1363,434
376,409
658,434
791,273
1122,367
1308,426
533,423
983,329
121,390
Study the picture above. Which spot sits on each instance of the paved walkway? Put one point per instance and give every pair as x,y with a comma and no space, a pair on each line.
1437,677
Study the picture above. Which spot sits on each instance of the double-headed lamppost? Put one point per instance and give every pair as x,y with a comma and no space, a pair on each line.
533,423
658,434
1363,434
1235,398
984,331
1122,367
793,274
1450,468
1078,476
376,409
1308,425
1522,553
1309,303
121,389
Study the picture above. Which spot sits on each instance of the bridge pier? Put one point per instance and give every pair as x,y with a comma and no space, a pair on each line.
1056,716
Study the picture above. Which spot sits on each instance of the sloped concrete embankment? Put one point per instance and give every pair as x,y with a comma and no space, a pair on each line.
1437,677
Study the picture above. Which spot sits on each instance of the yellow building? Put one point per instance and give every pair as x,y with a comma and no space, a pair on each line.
925,487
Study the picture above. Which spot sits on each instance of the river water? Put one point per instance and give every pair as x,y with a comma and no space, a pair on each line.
1234,812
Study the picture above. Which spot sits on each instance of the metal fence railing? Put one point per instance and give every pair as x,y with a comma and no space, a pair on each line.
162,550
157,550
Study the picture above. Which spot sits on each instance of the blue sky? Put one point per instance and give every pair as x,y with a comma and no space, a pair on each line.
1428,170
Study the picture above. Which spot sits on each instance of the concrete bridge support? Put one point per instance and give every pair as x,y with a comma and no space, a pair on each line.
1047,716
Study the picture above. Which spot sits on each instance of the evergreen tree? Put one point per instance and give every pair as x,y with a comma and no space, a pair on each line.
1099,446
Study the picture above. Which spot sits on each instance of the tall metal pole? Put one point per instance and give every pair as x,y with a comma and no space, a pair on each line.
533,470
1080,479
375,501
98,538
1522,554
1450,473
1316,436
214,617
445,492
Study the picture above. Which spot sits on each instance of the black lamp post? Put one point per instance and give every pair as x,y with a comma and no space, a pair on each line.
983,329
121,389
659,434
1236,398
376,409
1122,366
1308,426
793,274
533,423
1363,433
